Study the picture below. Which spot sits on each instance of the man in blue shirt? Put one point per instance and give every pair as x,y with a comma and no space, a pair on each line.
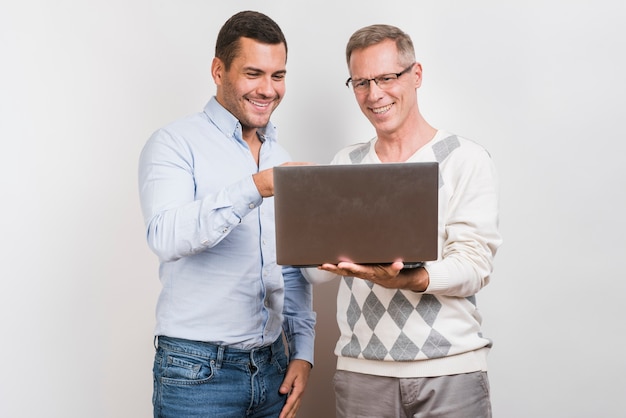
206,188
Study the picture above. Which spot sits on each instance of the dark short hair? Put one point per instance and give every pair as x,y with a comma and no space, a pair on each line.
247,24
375,34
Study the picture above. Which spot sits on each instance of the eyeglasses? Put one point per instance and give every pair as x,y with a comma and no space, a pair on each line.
384,81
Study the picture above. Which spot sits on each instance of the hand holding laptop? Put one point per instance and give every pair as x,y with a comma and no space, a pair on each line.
392,276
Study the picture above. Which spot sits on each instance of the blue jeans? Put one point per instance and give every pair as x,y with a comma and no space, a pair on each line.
196,379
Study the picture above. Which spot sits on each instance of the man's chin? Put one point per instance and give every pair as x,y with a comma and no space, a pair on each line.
255,123
261,121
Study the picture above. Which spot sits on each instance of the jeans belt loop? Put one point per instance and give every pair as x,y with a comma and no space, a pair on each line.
220,356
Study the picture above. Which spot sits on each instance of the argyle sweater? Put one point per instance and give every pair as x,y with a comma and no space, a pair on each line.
401,333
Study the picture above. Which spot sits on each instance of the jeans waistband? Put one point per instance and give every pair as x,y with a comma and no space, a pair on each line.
220,352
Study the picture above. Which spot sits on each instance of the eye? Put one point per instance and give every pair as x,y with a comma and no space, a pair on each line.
386,78
278,77
360,83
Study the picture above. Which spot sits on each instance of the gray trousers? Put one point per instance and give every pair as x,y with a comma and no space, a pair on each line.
366,396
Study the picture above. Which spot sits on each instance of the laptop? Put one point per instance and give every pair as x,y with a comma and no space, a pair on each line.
362,213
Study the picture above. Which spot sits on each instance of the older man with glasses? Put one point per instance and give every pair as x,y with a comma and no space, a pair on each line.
411,343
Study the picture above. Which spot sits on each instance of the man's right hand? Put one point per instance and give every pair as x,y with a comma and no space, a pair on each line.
264,179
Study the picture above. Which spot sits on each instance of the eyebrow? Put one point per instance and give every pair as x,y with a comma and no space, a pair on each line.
376,76
258,70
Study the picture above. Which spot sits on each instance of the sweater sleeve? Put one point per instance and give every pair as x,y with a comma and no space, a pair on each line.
468,236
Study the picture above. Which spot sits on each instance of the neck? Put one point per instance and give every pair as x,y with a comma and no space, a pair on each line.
254,143
399,145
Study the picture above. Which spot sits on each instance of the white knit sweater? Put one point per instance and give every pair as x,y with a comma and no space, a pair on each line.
401,333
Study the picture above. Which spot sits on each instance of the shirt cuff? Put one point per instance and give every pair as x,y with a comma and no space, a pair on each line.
245,197
304,350
301,339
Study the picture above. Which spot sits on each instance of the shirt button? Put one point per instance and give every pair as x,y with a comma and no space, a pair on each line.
251,205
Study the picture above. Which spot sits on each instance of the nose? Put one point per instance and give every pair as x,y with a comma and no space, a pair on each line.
374,91
266,87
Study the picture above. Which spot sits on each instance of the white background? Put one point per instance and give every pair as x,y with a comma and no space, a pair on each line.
83,84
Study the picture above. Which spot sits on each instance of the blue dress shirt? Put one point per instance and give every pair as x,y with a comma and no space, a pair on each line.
214,236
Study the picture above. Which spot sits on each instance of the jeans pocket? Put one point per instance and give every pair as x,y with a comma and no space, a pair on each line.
280,361
181,369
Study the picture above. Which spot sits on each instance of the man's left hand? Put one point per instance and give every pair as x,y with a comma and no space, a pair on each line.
391,276
294,384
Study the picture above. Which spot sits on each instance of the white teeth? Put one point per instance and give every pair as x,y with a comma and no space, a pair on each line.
258,104
381,109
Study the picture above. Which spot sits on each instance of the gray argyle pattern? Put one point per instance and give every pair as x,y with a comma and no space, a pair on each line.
441,149
357,154
394,314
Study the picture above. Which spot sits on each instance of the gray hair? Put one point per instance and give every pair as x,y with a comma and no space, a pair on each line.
375,34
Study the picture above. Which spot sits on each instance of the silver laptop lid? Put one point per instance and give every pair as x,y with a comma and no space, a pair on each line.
363,213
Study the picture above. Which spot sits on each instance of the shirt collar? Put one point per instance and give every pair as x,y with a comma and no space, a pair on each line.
230,126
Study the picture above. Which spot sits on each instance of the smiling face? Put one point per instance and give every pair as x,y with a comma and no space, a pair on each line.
254,84
393,108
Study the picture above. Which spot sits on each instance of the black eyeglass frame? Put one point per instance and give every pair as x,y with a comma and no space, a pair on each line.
369,80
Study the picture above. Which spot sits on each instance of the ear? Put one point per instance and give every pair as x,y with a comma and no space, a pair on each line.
217,70
417,72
